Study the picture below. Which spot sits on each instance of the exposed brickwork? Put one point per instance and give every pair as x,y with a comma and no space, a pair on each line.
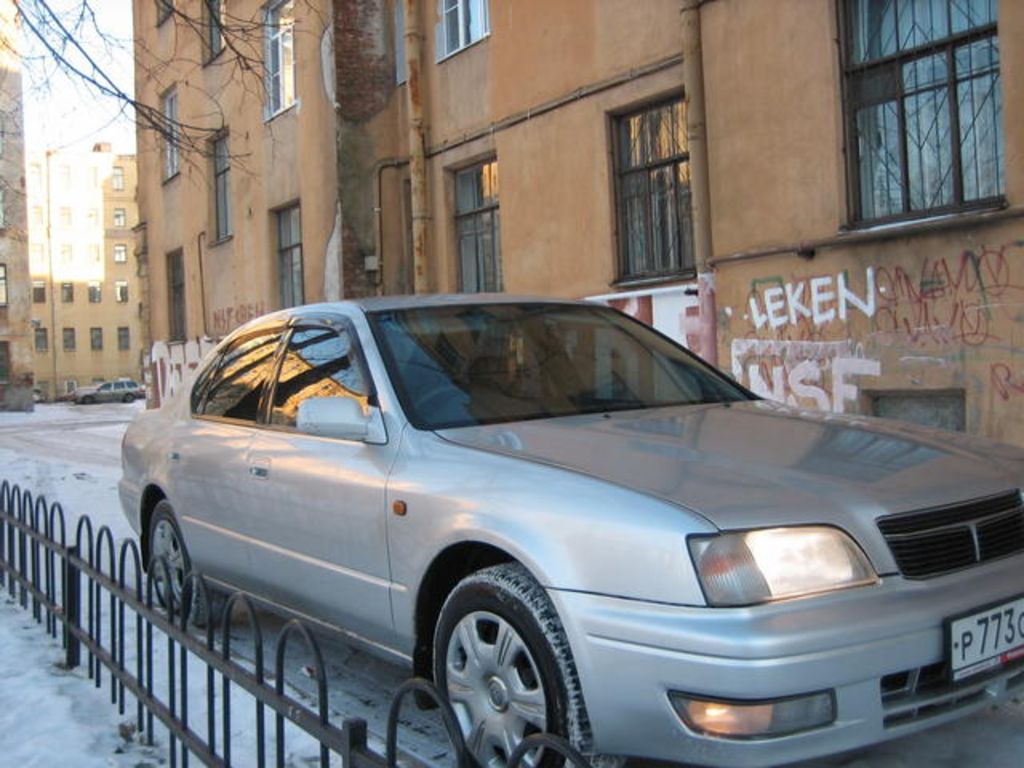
364,62
365,71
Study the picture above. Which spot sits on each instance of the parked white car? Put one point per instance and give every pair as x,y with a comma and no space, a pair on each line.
576,526
120,391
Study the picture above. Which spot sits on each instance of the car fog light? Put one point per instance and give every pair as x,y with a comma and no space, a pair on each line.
755,719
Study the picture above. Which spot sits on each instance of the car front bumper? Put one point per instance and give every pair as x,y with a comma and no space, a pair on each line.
631,655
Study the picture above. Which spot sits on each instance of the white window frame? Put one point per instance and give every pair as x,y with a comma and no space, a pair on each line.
117,178
120,253
280,41
172,152
460,9
120,218
121,291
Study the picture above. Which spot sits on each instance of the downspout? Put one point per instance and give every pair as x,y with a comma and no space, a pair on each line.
417,144
700,192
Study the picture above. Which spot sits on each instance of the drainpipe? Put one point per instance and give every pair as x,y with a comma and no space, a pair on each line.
417,153
700,192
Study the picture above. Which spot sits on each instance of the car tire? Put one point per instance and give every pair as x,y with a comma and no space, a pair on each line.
87,400
165,540
502,659
127,399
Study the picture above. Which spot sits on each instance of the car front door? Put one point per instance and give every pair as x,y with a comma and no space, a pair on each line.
318,503
105,393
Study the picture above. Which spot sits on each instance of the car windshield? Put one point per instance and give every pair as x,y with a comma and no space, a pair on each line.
464,365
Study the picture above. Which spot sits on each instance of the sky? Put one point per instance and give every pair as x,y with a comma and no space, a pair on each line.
61,109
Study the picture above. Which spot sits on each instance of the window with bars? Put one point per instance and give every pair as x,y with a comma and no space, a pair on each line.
462,23
478,227
924,106
42,340
653,191
289,256
222,188
279,66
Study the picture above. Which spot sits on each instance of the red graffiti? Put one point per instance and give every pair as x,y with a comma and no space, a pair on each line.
229,318
947,300
1006,382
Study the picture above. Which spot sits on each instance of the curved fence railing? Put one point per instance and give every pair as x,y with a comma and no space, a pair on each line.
94,595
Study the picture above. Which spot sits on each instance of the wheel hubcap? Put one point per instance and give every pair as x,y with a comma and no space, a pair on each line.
167,546
495,688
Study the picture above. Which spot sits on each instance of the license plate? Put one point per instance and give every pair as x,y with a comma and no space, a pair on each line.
986,639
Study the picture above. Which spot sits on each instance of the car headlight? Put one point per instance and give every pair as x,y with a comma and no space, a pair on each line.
749,567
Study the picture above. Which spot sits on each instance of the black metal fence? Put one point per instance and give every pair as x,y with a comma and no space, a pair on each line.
94,595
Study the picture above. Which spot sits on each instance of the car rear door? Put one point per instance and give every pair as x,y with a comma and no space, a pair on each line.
208,457
318,503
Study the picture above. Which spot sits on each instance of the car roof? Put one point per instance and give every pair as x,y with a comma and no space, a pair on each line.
317,312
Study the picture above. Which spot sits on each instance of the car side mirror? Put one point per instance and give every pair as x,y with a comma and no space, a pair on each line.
333,417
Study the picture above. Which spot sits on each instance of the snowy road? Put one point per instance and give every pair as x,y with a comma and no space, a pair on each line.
53,718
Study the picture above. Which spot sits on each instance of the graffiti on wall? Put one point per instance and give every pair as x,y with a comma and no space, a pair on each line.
169,365
816,374
226,319
775,302
970,299
1007,382
948,300
684,313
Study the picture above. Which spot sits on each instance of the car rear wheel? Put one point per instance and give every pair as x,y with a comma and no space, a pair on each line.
502,659
88,400
127,398
165,541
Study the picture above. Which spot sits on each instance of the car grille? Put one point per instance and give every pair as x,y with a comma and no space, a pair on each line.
918,694
943,539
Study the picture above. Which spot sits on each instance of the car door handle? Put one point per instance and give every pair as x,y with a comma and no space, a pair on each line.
174,456
260,469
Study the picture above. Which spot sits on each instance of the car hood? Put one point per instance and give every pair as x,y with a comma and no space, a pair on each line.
759,463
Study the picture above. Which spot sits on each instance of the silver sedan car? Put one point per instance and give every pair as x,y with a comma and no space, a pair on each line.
576,526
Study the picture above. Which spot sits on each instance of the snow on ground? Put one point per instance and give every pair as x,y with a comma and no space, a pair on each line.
53,717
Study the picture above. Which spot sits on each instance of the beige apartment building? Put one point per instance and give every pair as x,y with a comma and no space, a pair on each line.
824,197
15,349
85,287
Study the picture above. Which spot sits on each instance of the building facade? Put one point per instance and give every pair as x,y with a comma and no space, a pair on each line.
823,197
87,299
238,181
15,337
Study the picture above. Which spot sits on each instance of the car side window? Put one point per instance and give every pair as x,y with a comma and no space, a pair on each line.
234,389
105,387
319,362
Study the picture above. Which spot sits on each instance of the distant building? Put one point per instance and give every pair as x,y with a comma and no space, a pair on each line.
824,197
15,333
85,289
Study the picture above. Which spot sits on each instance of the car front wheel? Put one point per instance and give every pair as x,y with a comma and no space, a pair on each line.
502,659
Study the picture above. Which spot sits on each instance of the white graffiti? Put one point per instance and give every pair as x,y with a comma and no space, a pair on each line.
820,300
820,374
170,363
